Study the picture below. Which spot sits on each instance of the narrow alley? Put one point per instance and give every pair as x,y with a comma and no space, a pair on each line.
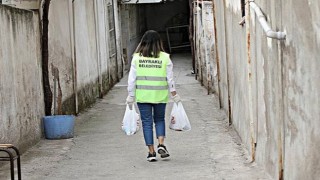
246,70
100,150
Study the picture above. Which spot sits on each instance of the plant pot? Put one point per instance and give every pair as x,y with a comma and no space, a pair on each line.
58,126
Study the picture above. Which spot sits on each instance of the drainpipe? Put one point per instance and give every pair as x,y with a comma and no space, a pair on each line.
253,124
195,39
265,25
117,21
206,51
73,53
106,25
97,39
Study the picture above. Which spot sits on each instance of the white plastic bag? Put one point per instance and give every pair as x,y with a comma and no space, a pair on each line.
131,121
178,118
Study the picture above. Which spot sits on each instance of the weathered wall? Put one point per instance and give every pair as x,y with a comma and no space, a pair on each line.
103,53
234,72
21,97
267,90
301,87
273,85
60,56
204,38
79,53
86,53
83,50
221,55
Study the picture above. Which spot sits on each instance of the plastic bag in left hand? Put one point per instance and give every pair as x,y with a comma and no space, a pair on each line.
179,120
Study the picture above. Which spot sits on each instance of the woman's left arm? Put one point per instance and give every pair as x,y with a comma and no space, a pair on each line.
171,83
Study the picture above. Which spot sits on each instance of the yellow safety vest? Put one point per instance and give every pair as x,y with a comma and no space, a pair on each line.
151,78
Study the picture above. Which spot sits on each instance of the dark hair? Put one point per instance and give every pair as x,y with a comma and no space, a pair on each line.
150,44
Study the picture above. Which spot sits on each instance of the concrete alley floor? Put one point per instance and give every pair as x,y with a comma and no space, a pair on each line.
100,150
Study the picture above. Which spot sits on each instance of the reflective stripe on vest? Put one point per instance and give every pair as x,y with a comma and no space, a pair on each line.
151,87
151,78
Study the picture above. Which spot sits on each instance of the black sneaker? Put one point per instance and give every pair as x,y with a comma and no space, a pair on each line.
162,150
152,157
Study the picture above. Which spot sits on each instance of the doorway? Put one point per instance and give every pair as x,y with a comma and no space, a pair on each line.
170,19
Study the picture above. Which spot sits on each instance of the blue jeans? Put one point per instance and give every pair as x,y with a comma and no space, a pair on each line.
152,113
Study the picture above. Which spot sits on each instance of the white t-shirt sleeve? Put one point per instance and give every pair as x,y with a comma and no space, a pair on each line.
132,79
170,80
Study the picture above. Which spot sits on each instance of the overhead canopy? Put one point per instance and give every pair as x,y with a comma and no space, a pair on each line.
141,1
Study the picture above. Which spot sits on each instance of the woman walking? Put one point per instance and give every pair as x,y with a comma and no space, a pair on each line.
150,77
